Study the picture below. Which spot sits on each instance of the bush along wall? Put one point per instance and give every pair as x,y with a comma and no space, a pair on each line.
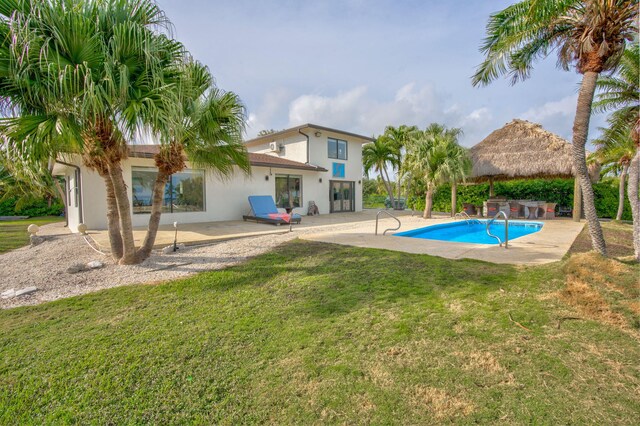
559,191
32,209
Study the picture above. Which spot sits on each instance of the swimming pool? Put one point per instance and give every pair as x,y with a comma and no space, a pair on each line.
463,231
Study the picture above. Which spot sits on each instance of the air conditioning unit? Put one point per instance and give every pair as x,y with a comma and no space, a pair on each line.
273,146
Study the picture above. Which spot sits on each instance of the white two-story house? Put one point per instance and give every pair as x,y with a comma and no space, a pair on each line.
295,166
336,188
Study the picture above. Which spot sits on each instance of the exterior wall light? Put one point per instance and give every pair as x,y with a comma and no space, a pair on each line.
320,180
266,177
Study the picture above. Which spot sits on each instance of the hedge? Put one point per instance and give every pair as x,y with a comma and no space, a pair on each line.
33,209
558,191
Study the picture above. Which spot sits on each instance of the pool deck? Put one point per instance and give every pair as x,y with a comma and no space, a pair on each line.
550,244
357,229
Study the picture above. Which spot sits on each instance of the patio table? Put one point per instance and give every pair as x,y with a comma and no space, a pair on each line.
531,210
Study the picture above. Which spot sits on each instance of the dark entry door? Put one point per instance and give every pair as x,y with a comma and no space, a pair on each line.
342,196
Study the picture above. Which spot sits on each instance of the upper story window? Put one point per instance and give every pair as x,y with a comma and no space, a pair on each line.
337,149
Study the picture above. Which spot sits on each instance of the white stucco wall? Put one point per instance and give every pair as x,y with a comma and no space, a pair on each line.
224,199
319,156
294,147
227,199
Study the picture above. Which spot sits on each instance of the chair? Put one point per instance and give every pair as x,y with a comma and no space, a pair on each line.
550,211
264,209
565,211
516,210
469,209
492,209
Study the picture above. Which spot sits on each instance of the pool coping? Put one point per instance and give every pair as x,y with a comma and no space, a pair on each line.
548,245
517,222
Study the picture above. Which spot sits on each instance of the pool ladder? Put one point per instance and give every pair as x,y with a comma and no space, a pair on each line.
506,229
466,217
391,216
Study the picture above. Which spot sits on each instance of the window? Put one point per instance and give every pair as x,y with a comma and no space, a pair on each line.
184,192
337,149
288,191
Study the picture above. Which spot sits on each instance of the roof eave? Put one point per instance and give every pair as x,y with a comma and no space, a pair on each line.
271,136
288,166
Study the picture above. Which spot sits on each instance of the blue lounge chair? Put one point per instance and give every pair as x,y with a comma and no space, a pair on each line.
263,209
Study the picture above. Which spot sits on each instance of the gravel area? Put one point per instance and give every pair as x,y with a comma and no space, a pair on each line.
45,266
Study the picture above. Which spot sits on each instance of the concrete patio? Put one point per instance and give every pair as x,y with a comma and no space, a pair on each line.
357,229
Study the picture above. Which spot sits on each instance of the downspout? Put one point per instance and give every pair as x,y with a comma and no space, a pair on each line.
78,188
306,136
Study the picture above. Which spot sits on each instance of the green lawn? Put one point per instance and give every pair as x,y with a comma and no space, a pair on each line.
13,234
319,333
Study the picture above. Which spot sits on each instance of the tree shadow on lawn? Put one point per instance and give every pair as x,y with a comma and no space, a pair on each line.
323,279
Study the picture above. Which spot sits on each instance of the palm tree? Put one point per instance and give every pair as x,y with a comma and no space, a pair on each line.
589,35
615,150
85,77
436,157
209,132
376,156
397,138
82,77
459,174
620,142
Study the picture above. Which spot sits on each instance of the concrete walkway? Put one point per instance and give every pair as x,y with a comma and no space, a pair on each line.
357,229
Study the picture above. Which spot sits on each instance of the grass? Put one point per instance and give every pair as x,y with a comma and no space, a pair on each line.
618,235
319,333
14,234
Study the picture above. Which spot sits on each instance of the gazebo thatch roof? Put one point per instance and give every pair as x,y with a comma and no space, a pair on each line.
522,150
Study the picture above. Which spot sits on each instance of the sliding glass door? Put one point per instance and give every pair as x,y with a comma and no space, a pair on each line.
342,196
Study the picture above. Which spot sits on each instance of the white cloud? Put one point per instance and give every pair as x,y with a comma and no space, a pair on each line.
565,107
358,110
554,116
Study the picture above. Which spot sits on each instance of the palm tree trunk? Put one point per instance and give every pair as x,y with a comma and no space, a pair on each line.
634,200
454,198
113,218
580,133
577,200
154,219
623,176
124,212
387,184
428,202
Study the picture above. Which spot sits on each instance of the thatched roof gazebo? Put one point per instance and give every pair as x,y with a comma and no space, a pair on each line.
523,150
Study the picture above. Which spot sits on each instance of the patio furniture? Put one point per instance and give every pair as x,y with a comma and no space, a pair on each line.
469,209
263,209
531,209
550,211
516,210
565,211
492,209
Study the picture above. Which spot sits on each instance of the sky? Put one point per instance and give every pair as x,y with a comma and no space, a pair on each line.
360,65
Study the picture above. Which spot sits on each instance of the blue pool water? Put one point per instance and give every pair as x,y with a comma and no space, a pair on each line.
475,232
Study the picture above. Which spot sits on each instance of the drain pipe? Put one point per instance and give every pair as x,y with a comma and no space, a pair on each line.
78,188
306,136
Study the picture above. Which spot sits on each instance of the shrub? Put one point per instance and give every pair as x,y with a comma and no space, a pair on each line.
32,209
559,191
